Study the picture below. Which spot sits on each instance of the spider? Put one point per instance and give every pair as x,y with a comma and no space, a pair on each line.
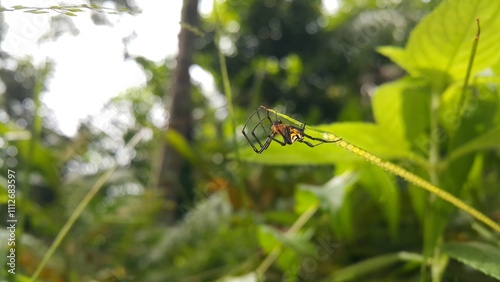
289,133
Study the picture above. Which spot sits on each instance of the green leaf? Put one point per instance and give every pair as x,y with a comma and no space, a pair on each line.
401,109
299,242
418,199
70,14
331,195
42,160
37,12
441,44
269,239
448,107
488,140
496,68
478,117
480,256
372,265
480,106
180,144
304,199
382,187
397,55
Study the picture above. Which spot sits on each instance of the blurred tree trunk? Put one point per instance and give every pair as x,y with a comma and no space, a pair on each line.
175,176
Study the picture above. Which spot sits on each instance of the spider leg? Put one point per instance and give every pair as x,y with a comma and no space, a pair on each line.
309,144
263,147
321,141
255,136
251,139
303,127
251,143
267,143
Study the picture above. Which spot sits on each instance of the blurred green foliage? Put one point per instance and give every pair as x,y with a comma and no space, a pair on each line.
325,214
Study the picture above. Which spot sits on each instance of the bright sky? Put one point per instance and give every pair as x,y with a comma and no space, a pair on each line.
89,67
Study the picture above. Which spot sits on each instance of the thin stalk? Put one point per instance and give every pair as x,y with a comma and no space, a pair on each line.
297,225
432,170
35,131
226,83
229,95
460,107
79,209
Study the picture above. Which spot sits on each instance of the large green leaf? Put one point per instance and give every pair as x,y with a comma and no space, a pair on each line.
401,109
480,256
397,55
440,46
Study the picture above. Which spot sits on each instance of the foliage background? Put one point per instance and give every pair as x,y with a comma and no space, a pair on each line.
293,213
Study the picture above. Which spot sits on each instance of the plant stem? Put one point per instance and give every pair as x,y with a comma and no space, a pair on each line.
229,95
268,261
461,102
80,208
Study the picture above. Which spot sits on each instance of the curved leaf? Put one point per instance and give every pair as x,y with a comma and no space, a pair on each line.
488,140
397,55
331,195
441,44
480,256
372,265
